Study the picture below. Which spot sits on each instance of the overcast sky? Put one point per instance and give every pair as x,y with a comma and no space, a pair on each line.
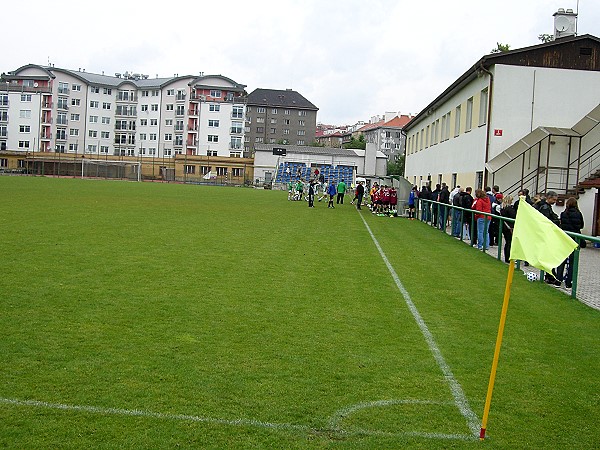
352,59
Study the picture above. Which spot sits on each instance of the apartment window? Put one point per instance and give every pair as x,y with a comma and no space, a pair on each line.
221,171
3,132
215,93
286,121
92,133
260,129
152,151
3,162
204,169
105,105
170,107
190,169
4,100
469,118
300,142
76,87
145,108
273,121
73,147
178,139
235,154
483,106
108,91
302,113
237,172
170,91
75,102
457,121
301,132
63,88
73,132
286,112
155,107
105,135
75,117
180,110
213,123
236,127
260,120
303,123
479,180
94,104
91,148
260,109
286,131
93,119
94,89
236,142
179,125
25,114
143,122
168,137
427,137
153,122
61,118
24,128
106,120
145,93
25,97
60,148
23,144
237,113
104,149
168,122
167,152
213,138
274,111
211,153
214,107
152,136
273,130
258,140
142,136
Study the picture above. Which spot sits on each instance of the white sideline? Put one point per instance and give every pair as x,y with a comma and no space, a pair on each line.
459,396
240,422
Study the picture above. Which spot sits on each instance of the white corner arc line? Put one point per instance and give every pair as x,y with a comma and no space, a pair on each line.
457,392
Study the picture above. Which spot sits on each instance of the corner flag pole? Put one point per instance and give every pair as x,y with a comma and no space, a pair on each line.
488,399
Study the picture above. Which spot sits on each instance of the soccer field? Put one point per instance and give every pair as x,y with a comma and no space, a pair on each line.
162,315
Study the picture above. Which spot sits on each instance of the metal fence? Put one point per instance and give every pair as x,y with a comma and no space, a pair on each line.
445,220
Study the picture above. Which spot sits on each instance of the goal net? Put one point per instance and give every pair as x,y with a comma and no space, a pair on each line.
120,170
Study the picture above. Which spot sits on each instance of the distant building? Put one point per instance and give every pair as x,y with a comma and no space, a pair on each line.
53,110
386,136
278,116
334,139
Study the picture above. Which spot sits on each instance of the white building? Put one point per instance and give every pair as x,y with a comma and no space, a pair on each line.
50,109
516,119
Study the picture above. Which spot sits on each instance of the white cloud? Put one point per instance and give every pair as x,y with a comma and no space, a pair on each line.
352,59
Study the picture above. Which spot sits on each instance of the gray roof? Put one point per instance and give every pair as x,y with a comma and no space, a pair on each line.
279,98
307,150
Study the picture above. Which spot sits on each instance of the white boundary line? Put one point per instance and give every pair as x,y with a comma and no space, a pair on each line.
459,396
245,422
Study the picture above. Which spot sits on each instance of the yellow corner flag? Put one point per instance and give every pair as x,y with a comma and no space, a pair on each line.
537,240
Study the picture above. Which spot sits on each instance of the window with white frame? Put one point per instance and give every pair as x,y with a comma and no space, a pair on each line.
274,111
302,113
301,132
104,149
260,120
237,112
152,136
300,142
93,119
235,143
154,107
221,171
23,144
236,127
92,133
168,137
260,110
76,87
105,120
24,128
94,104
286,112
63,88
213,138
145,93
483,106
211,152
94,89
153,122
180,110
143,122
75,102
169,107
457,121
75,117
73,147
213,123
469,115
61,118
92,148
105,105
214,107
107,91
25,114
25,97
235,154
215,93
204,169
178,139
169,122
73,131
170,91
105,134
145,108
258,140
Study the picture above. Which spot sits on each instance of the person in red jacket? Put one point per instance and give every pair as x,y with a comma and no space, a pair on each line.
482,205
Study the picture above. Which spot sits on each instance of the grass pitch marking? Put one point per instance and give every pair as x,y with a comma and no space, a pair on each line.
246,422
457,392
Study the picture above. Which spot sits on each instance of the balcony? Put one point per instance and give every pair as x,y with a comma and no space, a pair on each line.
62,106
63,90
45,136
47,120
236,130
180,97
192,112
47,105
192,142
3,118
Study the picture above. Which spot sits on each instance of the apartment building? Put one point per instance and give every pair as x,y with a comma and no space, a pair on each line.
49,109
278,116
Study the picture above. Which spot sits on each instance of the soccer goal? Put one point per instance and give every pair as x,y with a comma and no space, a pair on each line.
120,170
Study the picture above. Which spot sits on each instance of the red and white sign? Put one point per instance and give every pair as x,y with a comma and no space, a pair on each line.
497,132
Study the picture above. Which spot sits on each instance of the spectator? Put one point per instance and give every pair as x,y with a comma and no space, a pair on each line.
494,230
331,190
456,213
444,199
467,202
508,211
571,220
425,194
483,206
360,192
412,198
435,194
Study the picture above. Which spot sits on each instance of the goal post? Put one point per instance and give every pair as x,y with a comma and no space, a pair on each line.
112,169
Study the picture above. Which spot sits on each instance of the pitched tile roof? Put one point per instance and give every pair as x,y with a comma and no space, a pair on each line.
279,98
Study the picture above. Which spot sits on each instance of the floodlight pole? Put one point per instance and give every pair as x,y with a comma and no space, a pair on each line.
488,399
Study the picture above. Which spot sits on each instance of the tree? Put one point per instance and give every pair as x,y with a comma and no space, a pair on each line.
500,48
359,143
546,37
317,144
396,167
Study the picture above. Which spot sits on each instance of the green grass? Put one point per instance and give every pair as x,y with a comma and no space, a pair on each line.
234,304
